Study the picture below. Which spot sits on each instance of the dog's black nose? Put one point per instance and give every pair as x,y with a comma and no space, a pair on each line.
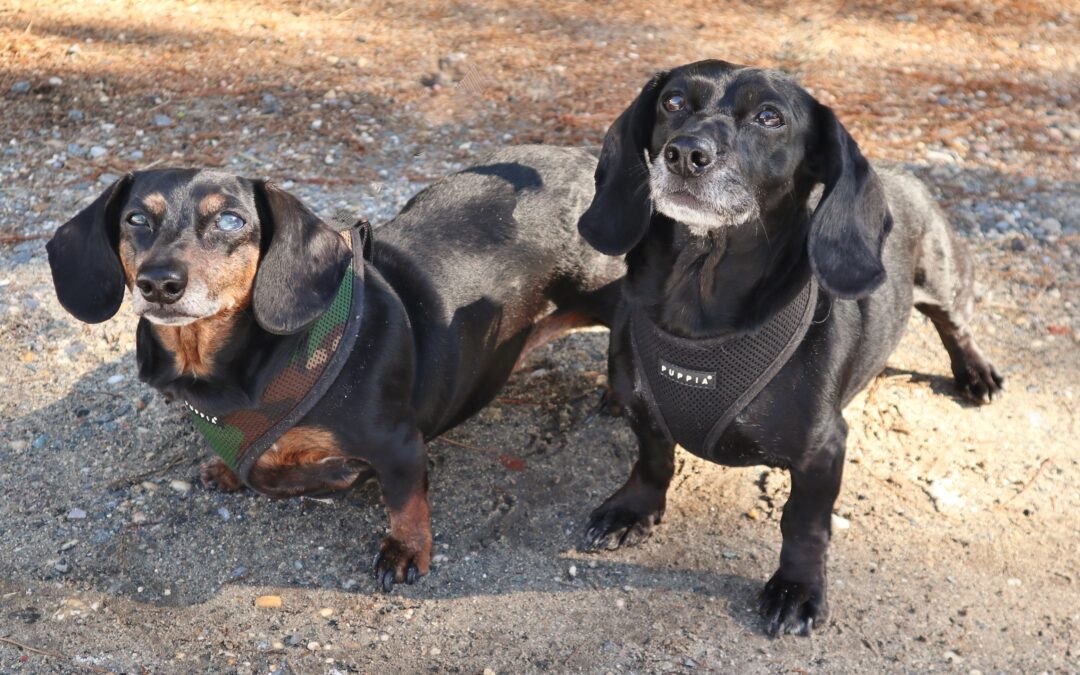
163,284
688,156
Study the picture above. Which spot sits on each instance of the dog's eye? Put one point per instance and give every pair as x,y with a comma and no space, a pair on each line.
138,220
769,117
230,222
674,102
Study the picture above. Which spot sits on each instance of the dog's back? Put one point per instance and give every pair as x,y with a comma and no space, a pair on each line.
478,257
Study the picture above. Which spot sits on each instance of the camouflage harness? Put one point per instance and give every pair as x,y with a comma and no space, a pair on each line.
240,438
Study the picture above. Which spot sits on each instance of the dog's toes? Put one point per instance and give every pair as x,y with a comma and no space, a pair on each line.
791,607
977,378
216,472
612,527
397,563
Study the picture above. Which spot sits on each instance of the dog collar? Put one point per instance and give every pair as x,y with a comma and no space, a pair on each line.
241,437
695,388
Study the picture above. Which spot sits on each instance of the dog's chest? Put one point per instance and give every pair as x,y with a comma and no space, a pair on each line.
695,388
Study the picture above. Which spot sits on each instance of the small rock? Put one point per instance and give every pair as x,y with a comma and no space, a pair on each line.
76,115
293,640
1052,226
953,657
620,603
316,125
18,446
753,514
434,651
939,157
162,120
1017,245
20,87
1013,581
74,49
40,442
268,601
270,104
76,514
572,572
224,513
149,486
97,152
62,567
115,379
69,544
326,612
181,486
729,555
489,671
840,522
314,646
350,584
138,518
55,81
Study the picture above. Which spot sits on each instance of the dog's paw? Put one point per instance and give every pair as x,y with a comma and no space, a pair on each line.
217,473
792,607
398,563
978,380
614,525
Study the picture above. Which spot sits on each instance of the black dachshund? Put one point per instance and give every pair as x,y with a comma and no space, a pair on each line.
756,306
229,275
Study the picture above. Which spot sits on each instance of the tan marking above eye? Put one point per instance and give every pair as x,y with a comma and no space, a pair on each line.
211,204
155,203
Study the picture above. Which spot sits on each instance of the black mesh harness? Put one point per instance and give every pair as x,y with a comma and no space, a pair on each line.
696,387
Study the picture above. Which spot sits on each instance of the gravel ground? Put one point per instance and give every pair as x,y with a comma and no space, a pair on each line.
956,533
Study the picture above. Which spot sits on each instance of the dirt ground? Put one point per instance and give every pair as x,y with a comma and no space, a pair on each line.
957,540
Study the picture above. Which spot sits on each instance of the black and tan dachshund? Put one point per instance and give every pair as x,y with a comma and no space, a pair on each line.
225,272
709,184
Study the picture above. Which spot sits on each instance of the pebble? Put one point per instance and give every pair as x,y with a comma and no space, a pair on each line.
97,152
1052,226
1013,581
20,87
268,601
489,671
620,603
181,486
18,446
434,651
326,612
572,572
76,514
69,544
162,120
313,646
40,441
840,522
224,513
76,115
115,379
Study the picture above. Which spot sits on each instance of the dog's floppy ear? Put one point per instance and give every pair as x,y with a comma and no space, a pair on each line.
83,256
302,265
850,223
622,207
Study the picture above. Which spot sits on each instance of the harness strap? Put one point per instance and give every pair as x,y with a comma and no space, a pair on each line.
242,437
695,387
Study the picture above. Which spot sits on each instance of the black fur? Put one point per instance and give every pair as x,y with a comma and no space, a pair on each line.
289,297
82,255
745,238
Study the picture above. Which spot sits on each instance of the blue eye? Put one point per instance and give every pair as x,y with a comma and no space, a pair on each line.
230,222
138,220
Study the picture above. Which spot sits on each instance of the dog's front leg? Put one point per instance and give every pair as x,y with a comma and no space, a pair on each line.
794,600
405,555
627,517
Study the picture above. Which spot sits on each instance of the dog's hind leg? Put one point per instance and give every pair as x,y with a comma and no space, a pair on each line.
943,292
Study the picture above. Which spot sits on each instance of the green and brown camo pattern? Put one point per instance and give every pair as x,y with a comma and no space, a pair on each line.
232,436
